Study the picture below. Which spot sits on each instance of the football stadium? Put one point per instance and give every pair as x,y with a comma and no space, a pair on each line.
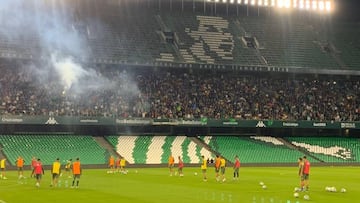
249,101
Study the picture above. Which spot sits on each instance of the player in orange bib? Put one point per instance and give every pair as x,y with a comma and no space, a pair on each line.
20,166
171,163
217,167
112,164
77,171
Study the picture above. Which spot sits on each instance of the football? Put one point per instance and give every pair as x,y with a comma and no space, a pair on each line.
296,195
306,197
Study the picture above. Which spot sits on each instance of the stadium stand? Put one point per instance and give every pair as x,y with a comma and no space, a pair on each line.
345,39
287,42
50,147
243,54
139,43
194,93
125,150
156,149
141,148
329,149
255,150
123,35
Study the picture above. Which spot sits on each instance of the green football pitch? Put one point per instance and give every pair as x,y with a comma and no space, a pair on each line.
156,185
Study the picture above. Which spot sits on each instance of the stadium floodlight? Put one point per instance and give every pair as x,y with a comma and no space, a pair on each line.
294,4
314,5
307,4
260,2
224,1
280,3
301,4
273,3
246,2
253,2
321,5
328,6
239,1
231,1
287,3
266,2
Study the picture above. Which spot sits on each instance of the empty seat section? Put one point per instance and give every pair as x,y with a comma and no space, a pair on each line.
252,150
329,149
50,147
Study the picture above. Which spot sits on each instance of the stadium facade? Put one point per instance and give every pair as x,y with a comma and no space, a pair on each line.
178,68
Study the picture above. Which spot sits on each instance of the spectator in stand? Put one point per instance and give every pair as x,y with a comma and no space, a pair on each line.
181,93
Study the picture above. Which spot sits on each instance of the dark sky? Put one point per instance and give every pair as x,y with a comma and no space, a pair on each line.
348,9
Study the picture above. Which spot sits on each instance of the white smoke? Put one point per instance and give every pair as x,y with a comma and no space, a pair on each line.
59,34
70,73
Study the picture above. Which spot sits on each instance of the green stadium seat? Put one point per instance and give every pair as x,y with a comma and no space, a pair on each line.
156,149
50,147
329,149
252,150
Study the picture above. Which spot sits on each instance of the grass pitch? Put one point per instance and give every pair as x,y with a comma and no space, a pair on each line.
145,185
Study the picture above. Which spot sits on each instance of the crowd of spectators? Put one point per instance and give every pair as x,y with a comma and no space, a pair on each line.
174,93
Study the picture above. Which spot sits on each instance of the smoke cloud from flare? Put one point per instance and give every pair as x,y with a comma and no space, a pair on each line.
60,39
68,71
77,80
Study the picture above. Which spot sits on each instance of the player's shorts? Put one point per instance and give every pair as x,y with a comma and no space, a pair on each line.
55,175
38,176
20,168
222,169
2,169
236,170
305,177
77,176
170,166
67,169
217,169
203,170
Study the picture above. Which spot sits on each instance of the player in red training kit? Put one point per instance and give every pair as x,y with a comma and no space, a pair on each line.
180,167
38,171
305,174
236,168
